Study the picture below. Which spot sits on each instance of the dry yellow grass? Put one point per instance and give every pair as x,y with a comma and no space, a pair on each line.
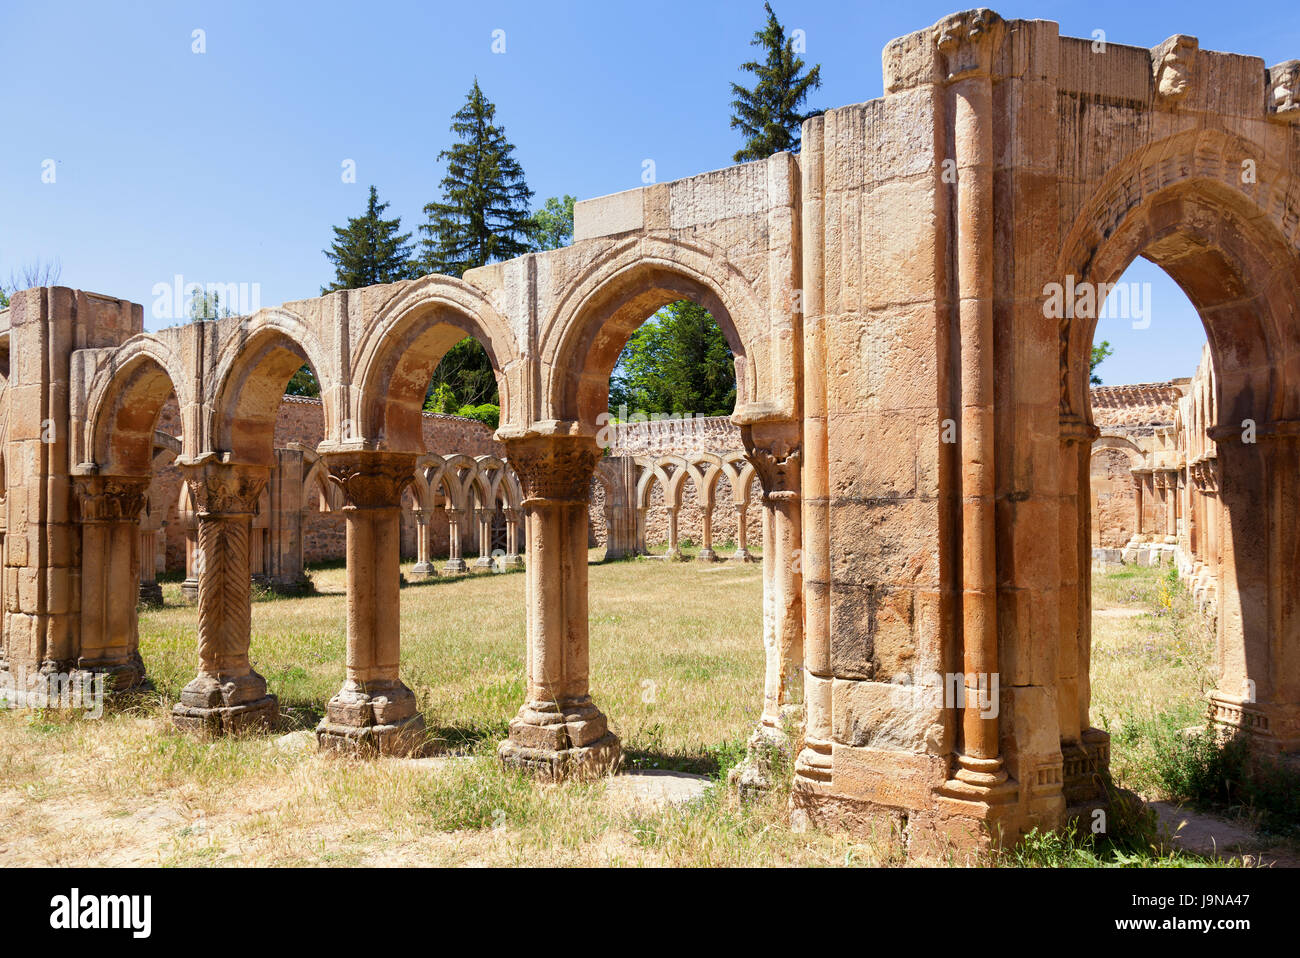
676,662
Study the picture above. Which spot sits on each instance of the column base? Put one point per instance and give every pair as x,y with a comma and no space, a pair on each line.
151,594
813,763
554,742
423,570
485,563
454,567
120,675
743,555
380,720
707,555
1086,768
211,705
190,591
515,561
1271,728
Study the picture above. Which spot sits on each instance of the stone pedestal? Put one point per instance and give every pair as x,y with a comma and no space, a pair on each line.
558,732
374,712
227,695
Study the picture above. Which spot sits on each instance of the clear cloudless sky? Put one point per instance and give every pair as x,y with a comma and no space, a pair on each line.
226,166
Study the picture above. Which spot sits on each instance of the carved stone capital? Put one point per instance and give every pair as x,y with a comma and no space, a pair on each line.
1283,91
554,468
775,451
965,42
1173,65
1077,429
224,488
370,479
111,498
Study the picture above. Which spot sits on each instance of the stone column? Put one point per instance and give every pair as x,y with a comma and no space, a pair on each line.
706,522
226,695
513,560
967,56
424,569
742,553
374,712
150,591
558,731
1137,506
484,516
454,564
1171,507
673,551
1259,585
774,450
190,526
641,547
110,509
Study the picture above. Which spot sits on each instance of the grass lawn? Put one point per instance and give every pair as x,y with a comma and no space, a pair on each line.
676,662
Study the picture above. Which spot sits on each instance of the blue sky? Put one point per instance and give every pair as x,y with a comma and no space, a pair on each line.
225,166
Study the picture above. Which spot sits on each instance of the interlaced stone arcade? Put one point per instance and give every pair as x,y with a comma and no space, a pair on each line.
918,420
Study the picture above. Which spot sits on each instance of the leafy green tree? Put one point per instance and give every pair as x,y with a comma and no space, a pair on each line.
553,223
370,249
464,384
483,214
1100,352
4,299
769,115
678,362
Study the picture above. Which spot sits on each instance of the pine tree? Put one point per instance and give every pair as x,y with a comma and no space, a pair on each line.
769,115
483,215
369,250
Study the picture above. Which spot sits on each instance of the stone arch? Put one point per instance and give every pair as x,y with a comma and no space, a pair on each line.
401,348
594,318
740,473
252,371
1179,204
125,399
317,490
1122,443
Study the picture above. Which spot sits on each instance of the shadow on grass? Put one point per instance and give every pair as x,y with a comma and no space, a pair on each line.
715,761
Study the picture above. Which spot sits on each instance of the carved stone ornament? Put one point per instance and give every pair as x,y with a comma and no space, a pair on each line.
225,488
554,468
776,459
1284,91
371,479
111,498
964,42
1173,63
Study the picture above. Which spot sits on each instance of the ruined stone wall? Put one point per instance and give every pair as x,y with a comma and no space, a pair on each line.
686,438
1134,420
1113,518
